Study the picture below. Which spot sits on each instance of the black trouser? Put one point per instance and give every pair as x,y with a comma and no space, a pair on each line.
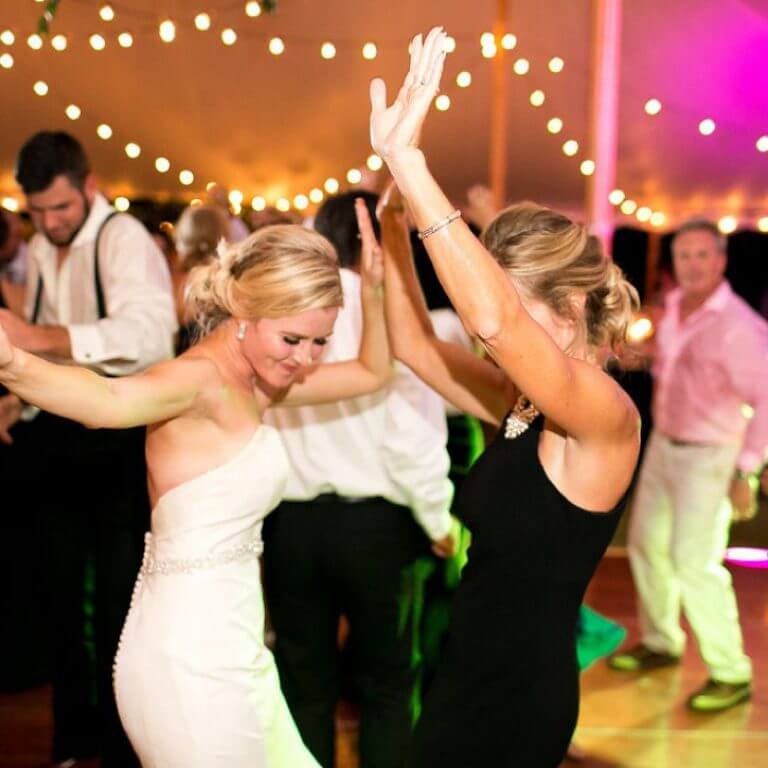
95,510
324,559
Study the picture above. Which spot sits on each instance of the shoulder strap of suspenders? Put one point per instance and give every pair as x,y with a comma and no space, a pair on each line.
100,300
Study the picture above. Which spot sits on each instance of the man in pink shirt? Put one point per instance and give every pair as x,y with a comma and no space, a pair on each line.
710,414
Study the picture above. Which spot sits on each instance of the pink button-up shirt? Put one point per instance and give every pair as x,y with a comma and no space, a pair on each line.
707,368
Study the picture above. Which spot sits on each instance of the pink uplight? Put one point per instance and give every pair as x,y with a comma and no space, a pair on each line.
747,557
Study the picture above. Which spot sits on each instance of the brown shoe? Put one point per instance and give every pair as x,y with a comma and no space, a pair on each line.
641,659
715,696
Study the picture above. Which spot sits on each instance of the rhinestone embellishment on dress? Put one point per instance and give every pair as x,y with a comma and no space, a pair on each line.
522,416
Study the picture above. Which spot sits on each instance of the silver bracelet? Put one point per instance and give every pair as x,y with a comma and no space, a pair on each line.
430,230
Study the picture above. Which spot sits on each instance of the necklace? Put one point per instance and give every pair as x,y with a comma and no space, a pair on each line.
522,416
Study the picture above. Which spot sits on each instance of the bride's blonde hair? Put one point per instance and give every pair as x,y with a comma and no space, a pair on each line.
279,270
554,260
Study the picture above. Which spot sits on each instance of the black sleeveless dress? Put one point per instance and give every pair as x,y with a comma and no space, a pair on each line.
507,690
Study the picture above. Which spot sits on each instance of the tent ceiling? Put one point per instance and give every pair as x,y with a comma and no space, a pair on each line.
281,125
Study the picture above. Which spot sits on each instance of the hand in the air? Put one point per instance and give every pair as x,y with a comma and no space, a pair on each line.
398,126
371,258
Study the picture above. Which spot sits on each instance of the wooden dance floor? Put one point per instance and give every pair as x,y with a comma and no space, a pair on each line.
626,721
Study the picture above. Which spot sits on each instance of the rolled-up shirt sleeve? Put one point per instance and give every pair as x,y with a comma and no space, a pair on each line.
141,320
748,368
415,451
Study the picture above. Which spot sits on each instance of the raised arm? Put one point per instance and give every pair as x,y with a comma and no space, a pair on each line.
160,393
574,394
472,384
373,367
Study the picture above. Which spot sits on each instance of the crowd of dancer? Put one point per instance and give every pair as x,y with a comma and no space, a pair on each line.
299,370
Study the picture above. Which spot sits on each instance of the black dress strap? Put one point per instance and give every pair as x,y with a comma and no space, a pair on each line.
100,300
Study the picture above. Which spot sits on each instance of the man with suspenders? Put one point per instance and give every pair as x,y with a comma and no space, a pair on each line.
99,295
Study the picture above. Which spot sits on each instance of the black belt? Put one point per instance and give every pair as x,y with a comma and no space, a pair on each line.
334,498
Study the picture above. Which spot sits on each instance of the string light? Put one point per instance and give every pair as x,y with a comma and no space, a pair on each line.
258,203
228,36
762,144
644,213
487,40
727,224
73,112
202,22
6,61
443,102
537,98
652,107
489,51
571,147
374,162
508,42
125,39
107,13
252,9
7,37
587,167
59,43
235,197
327,50
449,44
370,51
132,150
300,202
521,66
707,127
283,204
658,219
103,131
628,207
331,186
354,176
556,65
162,164
40,88
98,43
167,31
186,177
10,204
762,224
464,79
616,197
35,42
316,195
555,125
276,46
122,204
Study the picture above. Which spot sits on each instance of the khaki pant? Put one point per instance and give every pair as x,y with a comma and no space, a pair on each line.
677,538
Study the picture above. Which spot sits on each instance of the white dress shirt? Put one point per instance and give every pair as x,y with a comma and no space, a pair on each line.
390,444
141,320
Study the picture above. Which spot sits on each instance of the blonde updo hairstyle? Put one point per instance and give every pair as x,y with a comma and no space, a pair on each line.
198,233
277,271
555,260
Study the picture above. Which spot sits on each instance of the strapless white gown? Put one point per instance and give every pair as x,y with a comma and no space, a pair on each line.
195,685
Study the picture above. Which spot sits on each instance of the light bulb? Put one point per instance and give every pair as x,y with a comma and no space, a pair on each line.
331,186
508,42
103,131
228,36
133,150
276,46
370,51
252,9
628,207
521,66
6,61
40,88
727,224
587,167
316,195
122,204
464,79
258,203
555,125
644,213
7,37
652,107
106,13
125,39
73,112
327,50
35,42
167,31
98,43
186,177
202,22
537,98
570,147
707,127
162,164
616,197
354,176
283,204
556,64
443,102
300,202
59,43
374,162
658,219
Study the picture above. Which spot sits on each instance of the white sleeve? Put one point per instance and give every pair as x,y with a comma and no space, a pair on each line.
414,451
141,319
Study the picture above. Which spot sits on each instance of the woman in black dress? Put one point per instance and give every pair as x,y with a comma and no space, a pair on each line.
544,500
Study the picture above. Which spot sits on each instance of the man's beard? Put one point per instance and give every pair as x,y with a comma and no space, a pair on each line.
76,231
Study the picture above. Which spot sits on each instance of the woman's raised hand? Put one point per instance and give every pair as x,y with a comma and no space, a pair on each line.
398,126
371,259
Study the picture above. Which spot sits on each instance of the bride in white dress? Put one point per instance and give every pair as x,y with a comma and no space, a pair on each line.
195,685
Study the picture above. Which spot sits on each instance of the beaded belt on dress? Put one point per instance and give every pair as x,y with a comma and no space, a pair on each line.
170,565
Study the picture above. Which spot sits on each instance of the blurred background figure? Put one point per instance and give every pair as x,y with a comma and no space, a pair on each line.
218,197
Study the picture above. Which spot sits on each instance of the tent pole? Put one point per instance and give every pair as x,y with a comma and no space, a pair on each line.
497,159
604,115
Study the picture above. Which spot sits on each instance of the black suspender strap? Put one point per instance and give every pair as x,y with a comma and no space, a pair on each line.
100,300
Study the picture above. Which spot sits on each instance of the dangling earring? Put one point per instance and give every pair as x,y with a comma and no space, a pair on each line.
241,330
